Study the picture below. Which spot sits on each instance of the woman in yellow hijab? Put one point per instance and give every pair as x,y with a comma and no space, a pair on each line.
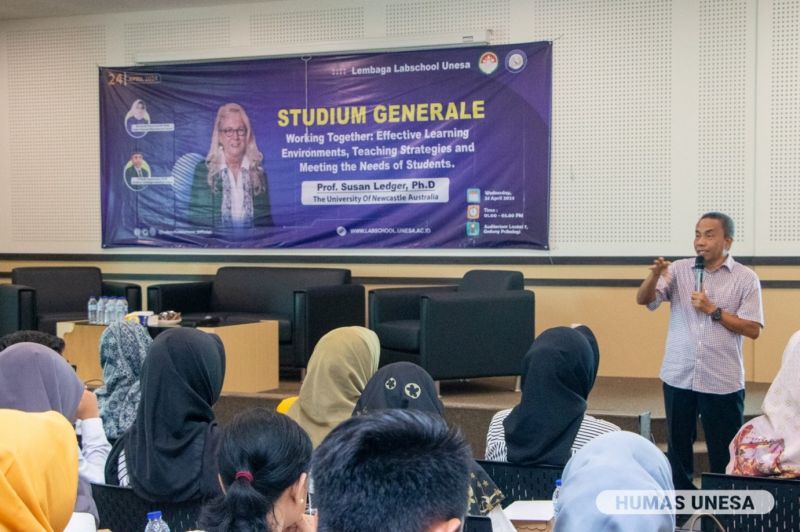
38,471
338,370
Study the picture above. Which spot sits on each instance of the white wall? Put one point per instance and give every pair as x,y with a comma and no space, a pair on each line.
662,109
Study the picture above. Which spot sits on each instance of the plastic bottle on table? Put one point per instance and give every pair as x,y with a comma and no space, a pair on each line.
556,493
120,315
155,523
101,310
108,315
92,307
123,308
116,315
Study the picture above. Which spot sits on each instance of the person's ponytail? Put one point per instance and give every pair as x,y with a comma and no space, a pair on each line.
261,454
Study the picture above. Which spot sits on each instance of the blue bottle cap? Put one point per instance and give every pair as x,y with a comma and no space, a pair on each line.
154,515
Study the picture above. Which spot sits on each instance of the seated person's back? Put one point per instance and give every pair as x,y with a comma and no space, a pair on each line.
550,423
404,385
36,337
123,347
263,464
169,453
613,461
399,470
338,370
39,471
769,445
34,378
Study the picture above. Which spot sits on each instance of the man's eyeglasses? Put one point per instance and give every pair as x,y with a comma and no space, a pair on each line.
230,132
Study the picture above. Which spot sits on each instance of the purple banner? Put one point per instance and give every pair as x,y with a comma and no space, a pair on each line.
425,149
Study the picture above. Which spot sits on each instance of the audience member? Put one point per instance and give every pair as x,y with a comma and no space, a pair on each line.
263,468
123,346
38,471
769,445
169,453
399,470
34,378
406,386
613,461
340,366
550,423
37,337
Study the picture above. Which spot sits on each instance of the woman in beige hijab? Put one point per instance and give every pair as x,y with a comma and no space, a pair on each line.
340,366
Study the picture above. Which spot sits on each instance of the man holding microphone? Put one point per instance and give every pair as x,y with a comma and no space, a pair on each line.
714,303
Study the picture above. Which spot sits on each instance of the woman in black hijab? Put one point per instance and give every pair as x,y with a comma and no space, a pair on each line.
407,386
549,424
169,453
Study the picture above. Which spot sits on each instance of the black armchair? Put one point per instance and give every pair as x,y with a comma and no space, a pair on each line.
785,515
39,297
306,303
481,328
522,482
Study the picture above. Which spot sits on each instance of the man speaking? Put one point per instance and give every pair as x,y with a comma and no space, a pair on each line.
715,302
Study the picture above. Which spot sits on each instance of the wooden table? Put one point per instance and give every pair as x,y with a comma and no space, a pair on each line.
82,348
251,356
251,351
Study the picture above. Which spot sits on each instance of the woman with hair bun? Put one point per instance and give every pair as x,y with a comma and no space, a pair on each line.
263,470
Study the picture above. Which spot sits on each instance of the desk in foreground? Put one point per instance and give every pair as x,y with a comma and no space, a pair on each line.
251,352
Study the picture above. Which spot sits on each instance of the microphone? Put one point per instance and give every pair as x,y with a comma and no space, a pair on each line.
699,267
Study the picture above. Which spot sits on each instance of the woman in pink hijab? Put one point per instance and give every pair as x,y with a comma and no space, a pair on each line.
769,445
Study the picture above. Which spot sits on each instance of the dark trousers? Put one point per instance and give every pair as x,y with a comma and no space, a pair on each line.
721,415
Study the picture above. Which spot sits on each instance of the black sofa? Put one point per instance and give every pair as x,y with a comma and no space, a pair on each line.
39,297
480,328
306,303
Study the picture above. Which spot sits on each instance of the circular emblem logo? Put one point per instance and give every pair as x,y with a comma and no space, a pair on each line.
516,60
488,62
341,230
391,383
412,390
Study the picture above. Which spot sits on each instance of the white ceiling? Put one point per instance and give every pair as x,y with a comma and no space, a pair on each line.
21,9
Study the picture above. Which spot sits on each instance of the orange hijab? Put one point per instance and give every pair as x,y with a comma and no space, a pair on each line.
38,471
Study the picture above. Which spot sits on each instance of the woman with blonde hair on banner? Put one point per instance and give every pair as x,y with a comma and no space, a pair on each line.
137,115
229,188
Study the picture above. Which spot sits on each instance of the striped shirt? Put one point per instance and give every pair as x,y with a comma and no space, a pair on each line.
122,470
496,437
701,354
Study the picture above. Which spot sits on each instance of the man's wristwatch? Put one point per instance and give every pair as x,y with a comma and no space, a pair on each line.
717,314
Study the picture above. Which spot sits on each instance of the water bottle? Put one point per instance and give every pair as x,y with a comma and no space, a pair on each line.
556,493
101,310
92,310
108,315
123,308
155,523
113,309
120,314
